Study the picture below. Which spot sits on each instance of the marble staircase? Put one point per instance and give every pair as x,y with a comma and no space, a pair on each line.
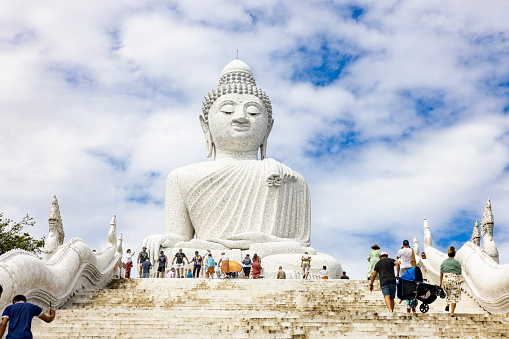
263,308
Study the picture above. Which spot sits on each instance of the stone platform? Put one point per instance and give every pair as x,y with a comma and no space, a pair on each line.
263,308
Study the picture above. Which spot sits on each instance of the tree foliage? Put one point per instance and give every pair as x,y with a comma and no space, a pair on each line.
12,236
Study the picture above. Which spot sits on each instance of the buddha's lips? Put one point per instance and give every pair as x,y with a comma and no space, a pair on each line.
241,127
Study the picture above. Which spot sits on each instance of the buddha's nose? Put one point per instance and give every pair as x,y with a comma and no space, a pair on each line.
240,115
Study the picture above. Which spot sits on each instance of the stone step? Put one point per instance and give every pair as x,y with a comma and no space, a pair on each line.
180,308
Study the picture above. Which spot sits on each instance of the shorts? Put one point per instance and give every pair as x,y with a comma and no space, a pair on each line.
305,267
145,275
210,270
389,289
181,265
161,268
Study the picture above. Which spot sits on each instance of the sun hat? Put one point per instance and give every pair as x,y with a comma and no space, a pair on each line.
375,247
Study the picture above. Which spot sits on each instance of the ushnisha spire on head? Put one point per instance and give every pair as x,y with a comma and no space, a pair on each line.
236,77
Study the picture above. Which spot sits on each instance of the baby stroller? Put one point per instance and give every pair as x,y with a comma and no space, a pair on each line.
411,287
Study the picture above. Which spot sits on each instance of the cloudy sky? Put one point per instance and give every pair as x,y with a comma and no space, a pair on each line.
393,111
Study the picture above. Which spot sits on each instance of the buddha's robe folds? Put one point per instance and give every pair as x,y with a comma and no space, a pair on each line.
226,198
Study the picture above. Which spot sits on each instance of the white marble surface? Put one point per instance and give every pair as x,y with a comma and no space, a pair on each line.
237,201
56,234
72,267
482,277
487,224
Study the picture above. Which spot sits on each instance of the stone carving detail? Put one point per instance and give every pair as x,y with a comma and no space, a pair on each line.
476,236
56,231
483,278
72,267
237,201
119,245
111,234
416,248
428,242
487,224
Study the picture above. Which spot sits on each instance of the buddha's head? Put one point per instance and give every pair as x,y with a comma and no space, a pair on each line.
236,115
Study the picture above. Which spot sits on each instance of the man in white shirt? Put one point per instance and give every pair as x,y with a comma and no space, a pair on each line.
324,273
406,257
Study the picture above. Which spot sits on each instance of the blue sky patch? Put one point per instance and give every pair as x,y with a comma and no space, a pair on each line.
494,38
22,37
333,145
138,192
74,76
319,65
150,88
115,41
144,199
496,87
356,12
275,17
430,106
140,199
347,11
458,229
116,163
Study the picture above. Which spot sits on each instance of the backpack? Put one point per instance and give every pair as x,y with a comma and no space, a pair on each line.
246,261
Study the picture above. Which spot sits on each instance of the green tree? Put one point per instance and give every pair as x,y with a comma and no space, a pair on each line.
12,236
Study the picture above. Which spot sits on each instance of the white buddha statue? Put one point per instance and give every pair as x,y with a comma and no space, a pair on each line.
237,201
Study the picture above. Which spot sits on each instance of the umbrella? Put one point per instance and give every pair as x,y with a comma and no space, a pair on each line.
234,266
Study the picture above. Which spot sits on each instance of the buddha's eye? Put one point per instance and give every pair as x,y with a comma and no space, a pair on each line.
227,109
253,110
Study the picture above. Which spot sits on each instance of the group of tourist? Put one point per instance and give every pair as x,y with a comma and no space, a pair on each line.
388,270
250,267
224,268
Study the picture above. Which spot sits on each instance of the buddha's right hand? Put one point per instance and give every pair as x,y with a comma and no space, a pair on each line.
153,243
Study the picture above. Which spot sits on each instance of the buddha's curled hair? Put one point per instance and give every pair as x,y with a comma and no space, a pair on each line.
239,82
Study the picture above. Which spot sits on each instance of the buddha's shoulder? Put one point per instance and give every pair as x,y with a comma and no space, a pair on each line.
193,170
198,170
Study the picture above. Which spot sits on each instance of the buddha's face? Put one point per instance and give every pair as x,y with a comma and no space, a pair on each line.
238,122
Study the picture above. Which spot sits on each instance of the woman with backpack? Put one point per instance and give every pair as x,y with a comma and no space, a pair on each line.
246,266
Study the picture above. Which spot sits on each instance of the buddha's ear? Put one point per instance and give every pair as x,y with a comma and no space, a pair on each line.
263,147
209,144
